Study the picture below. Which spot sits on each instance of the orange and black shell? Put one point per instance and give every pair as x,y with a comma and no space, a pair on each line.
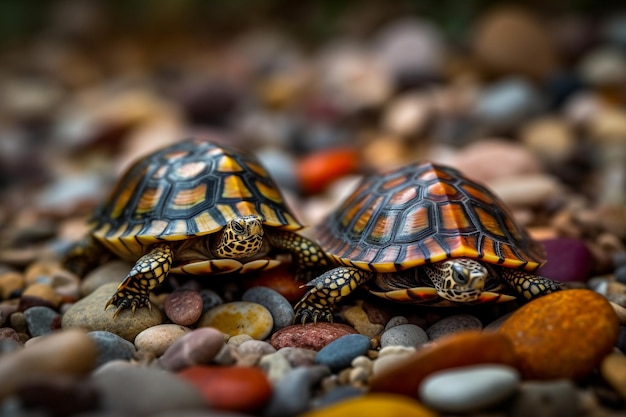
424,213
191,188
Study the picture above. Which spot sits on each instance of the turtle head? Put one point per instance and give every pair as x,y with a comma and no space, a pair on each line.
242,237
460,280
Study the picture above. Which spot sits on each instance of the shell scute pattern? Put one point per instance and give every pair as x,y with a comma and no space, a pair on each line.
424,213
190,189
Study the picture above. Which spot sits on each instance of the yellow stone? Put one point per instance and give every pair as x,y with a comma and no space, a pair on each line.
239,317
374,405
43,291
10,283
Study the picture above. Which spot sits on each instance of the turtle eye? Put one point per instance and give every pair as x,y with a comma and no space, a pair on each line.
459,275
238,228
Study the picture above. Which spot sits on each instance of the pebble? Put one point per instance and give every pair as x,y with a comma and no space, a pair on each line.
469,389
339,353
70,352
111,347
280,308
390,356
298,356
183,307
613,370
11,284
583,328
359,319
89,314
569,260
40,320
318,170
460,349
110,272
238,339
239,389
275,366
131,389
374,405
557,398
453,324
312,336
157,339
549,137
210,299
404,335
239,317
395,321
293,393
527,190
198,347
280,279
41,292
255,348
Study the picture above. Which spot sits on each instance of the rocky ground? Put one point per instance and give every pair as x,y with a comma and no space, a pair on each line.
532,106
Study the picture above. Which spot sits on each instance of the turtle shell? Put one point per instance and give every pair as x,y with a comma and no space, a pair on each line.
191,188
424,213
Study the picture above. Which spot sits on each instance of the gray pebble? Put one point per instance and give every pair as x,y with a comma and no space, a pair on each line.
275,366
339,353
298,356
210,299
396,321
39,320
281,310
453,324
546,399
111,347
293,393
404,335
255,347
469,388
620,274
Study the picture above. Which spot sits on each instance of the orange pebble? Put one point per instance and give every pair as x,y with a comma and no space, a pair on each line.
316,171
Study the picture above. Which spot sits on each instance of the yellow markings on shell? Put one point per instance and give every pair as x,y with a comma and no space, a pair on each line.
246,208
257,169
270,215
228,164
149,200
227,211
269,192
178,228
235,188
157,227
125,194
186,199
206,223
190,170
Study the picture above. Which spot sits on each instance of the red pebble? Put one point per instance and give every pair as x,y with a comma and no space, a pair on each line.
183,307
239,389
281,280
309,336
318,170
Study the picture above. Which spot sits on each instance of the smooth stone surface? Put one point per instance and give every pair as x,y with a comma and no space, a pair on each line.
157,339
281,279
239,317
241,389
578,324
298,356
404,335
507,102
111,347
613,369
40,320
374,405
183,307
198,347
559,398
70,352
43,292
89,314
390,356
210,299
109,273
131,389
469,389
275,366
339,353
460,349
568,260
255,347
453,324
281,310
11,284
310,336
527,190
358,318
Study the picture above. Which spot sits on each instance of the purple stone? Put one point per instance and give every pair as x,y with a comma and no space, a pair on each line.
568,260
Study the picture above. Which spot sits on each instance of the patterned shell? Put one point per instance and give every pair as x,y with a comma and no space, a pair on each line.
424,213
191,188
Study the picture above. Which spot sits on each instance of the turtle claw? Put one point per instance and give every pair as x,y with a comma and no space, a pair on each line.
307,312
123,302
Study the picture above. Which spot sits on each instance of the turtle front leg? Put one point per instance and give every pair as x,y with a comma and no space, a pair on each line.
327,290
528,284
149,271
307,255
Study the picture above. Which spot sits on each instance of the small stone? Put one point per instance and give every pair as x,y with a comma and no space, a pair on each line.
583,329
18,322
404,335
89,314
239,389
111,272
318,170
198,347
40,320
239,317
183,307
372,405
281,310
453,324
298,356
459,349
275,366
396,321
256,347
390,356
613,369
239,339
157,339
339,353
11,284
293,393
358,318
549,137
281,279
43,292
210,299
111,347
559,398
568,260
527,190
604,66
312,336
469,389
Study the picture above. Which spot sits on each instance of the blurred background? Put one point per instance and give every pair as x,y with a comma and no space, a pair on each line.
528,98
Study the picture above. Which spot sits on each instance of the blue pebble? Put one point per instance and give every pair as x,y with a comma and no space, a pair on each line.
339,353
39,320
111,347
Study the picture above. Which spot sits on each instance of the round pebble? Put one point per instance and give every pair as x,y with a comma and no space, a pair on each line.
111,272
391,356
255,347
568,260
469,389
404,335
358,318
239,317
374,405
210,299
453,324
40,320
183,307
43,292
198,347
298,356
339,353
157,339
293,393
559,398
583,328
111,347
281,310
275,366
280,279
312,336
11,284
318,170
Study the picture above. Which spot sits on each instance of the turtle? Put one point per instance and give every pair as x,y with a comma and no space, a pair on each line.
194,207
425,234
